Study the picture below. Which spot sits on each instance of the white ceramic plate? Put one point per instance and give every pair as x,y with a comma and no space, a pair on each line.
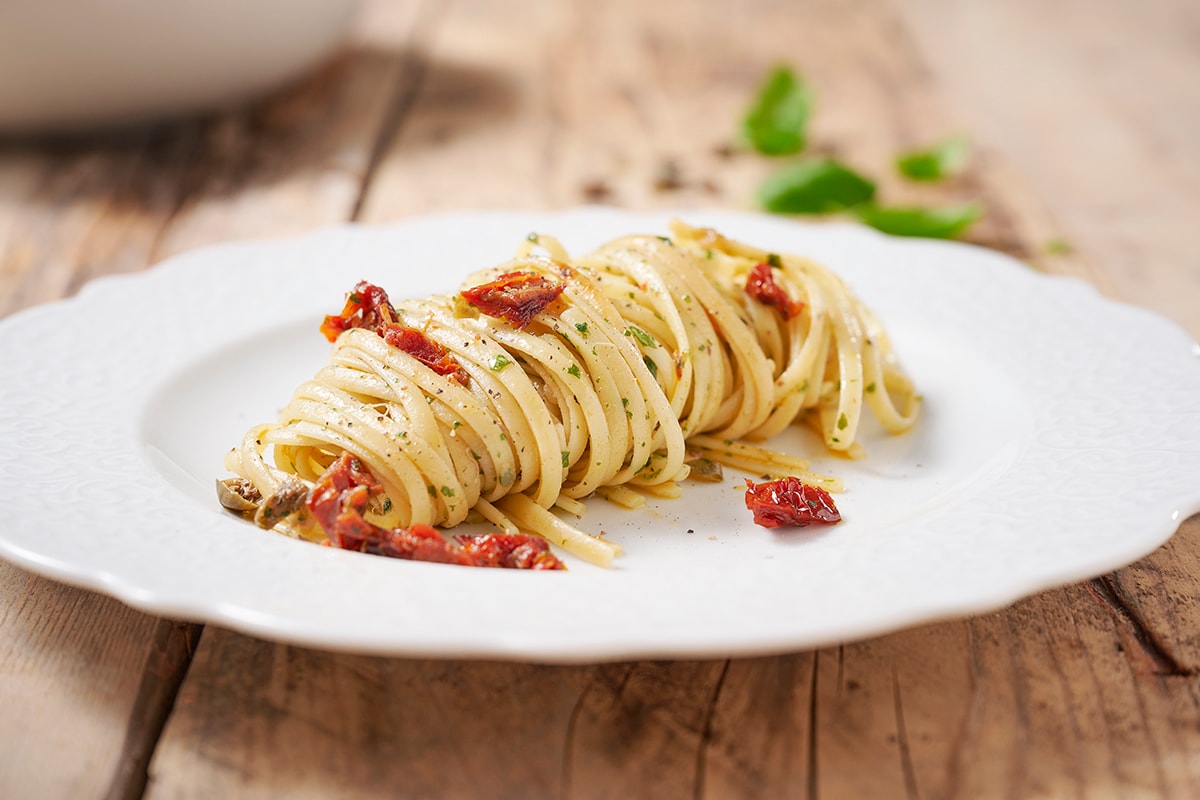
1061,439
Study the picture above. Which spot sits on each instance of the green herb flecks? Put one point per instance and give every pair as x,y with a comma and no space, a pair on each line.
499,362
643,338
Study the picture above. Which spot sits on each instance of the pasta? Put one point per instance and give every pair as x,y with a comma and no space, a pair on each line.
550,379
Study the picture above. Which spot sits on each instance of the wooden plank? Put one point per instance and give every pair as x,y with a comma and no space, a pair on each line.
1097,107
762,743
71,667
641,730
260,720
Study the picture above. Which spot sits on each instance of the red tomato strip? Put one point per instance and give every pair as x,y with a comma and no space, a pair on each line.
368,307
339,500
761,285
425,350
516,297
788,501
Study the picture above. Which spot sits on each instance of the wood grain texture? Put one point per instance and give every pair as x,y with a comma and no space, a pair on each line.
70,668
1092,690
328,725
1096,104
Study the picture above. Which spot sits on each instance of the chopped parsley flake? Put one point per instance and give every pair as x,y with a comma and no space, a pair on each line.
643,338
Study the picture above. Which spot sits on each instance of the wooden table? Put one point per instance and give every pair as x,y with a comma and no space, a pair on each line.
1084,117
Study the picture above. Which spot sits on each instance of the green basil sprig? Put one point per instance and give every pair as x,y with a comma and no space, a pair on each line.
776,124
945,222
814,186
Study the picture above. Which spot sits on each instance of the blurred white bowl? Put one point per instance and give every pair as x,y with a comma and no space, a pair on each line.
66,65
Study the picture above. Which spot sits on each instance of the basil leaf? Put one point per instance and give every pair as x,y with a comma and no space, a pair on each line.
814,186
946,222
938,161
777,121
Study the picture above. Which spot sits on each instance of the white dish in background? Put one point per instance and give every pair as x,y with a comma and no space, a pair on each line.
67,65
1060,440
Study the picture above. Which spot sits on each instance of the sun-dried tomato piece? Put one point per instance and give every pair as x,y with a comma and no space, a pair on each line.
416,543
339,500
790,501
366,307
514,551
516,297
425,350
761,285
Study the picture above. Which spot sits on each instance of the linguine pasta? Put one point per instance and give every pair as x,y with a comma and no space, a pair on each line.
652,353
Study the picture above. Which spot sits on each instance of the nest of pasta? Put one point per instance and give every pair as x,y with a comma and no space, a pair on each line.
550,379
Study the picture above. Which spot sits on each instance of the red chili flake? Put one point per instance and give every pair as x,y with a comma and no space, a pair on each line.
366,307
425,350
789,501
339,500
516,297
761,285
